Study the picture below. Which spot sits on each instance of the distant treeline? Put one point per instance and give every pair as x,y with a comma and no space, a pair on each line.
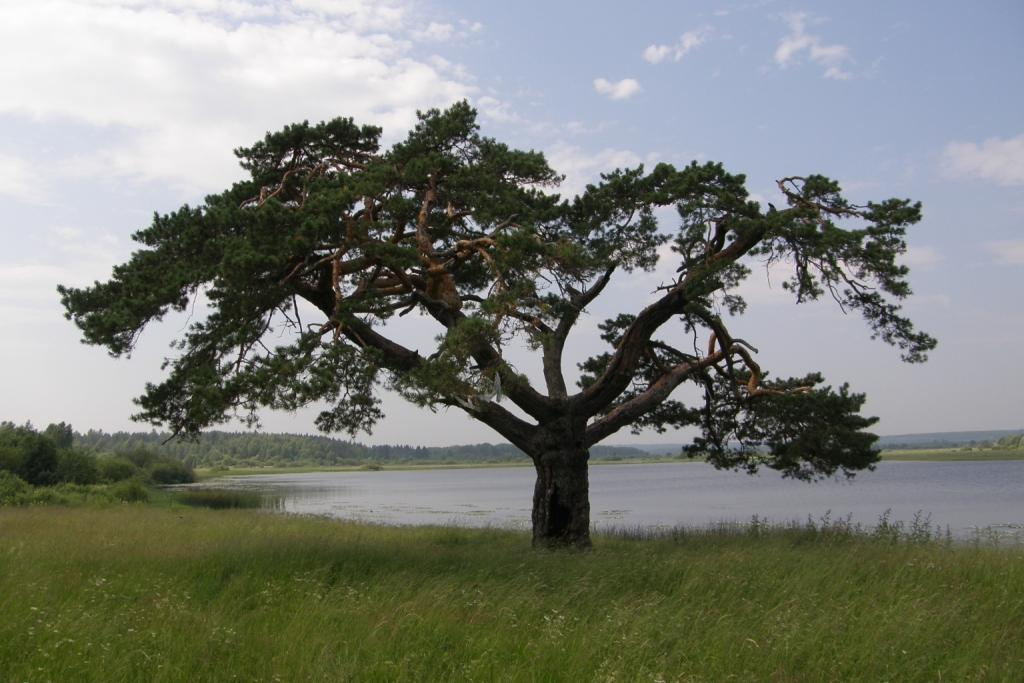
236,449
228,449
996,438
1012,442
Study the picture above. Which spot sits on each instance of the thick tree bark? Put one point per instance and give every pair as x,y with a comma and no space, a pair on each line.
561,499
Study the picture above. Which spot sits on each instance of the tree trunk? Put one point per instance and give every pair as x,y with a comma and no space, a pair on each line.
561,499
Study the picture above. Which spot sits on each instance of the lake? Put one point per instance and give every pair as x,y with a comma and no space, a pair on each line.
964,496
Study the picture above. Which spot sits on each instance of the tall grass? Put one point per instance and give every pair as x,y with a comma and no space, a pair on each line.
221,499
137,593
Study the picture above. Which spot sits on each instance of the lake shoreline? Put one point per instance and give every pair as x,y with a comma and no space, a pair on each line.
922,455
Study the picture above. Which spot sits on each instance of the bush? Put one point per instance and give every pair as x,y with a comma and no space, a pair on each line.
116,468
77,467
141,457
130,491
10,459
37,453
12,488
170,472
1012,441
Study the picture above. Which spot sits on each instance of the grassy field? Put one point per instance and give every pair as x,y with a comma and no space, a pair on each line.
146,593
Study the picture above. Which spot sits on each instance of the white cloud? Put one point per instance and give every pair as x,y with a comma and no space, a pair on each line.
581,167
655,54
798,42
997,160
20,181
72,257
361,15
452,70
496,110
19,277
99,251
435,31
836,74
1008,253
186,81
65,233
441,32
585,128
34,285
923,258
619,90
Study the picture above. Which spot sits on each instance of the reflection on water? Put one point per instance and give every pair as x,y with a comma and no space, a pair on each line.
961,495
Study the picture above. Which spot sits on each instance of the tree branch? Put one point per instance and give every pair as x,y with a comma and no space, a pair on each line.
640,404
517,431
698,282
554,343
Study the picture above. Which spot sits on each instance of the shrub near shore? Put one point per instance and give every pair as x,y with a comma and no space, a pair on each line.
175,594
45,467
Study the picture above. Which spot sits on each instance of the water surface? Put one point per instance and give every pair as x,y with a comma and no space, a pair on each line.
964,496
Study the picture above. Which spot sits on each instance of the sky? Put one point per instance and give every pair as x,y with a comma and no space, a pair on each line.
115,109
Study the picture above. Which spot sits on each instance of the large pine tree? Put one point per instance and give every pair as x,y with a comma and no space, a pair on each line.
469,233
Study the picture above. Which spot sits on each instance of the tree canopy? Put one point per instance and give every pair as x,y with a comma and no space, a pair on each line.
469,233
